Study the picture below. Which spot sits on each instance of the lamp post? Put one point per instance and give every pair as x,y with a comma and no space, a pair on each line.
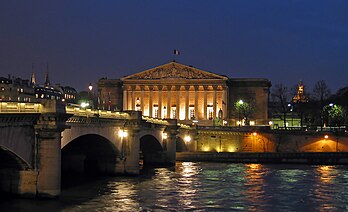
292,113
90,87
240,103
123,134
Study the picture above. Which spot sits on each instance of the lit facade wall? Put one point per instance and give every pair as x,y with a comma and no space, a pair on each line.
185,93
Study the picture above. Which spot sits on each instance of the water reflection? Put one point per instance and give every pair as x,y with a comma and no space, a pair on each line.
254,185
322,190
206,187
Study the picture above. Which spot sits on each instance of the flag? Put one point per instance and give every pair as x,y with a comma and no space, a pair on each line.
176,52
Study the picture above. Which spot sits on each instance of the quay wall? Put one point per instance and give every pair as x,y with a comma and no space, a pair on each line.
268,141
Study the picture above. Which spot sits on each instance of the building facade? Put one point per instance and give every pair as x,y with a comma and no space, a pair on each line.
177,91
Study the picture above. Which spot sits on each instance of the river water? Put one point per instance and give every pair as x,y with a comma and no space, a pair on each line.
205,187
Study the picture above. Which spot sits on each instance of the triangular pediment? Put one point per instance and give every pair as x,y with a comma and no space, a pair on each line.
174,70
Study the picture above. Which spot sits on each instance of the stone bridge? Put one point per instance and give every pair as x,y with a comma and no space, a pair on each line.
40,140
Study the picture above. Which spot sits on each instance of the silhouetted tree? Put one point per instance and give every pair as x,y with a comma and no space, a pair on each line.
280,95
321,93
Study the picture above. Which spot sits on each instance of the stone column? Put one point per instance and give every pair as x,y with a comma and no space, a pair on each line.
196,101
169,106
129,99
124,98
224,103
142,99
150,100
133,98
187,102
160,107
214,101
178,101
205,101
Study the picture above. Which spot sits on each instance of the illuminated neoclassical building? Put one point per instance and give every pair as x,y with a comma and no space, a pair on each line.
182,92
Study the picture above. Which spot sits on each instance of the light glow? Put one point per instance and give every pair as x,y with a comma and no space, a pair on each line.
164,135
122,133
187,138
84,104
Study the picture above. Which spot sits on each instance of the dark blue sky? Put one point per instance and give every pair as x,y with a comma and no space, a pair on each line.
285,41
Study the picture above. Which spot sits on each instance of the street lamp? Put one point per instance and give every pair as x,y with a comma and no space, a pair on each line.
187,138
90,87
123,134
240,102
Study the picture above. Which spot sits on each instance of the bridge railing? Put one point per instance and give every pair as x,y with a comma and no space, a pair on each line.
20,107
163,122
77,111
155,120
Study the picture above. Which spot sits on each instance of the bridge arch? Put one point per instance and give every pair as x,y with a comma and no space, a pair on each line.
10,167
90,153
151,150
10,160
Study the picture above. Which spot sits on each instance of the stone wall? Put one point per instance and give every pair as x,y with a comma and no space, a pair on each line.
275,141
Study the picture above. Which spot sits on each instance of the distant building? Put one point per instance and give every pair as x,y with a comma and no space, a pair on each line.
300,95
69,93
182,92
16,89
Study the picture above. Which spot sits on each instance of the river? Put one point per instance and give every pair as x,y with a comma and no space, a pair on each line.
205,187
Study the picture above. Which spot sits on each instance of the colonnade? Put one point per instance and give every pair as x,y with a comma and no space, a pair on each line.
183,102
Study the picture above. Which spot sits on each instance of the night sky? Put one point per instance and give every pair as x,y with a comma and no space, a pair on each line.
82,41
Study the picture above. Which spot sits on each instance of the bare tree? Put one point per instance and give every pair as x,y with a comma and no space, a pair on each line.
321,93
280,95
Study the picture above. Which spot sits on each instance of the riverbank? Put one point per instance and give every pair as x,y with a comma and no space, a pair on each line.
266,157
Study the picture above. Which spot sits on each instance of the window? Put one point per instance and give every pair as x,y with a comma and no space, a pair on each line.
155,111
210,110
137,104
192,112
173,114
164,114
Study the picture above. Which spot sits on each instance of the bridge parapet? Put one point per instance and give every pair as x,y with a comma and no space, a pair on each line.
76,111
20,107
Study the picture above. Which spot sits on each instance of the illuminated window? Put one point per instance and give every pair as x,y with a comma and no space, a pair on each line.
192,112
173,114
155,111
137,104
210,110
164,114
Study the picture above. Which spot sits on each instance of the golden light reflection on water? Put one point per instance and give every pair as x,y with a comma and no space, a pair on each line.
254,182
325,175
188,183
